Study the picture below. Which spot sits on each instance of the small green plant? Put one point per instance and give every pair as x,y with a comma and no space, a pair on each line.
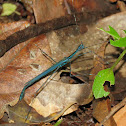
8,9
108,74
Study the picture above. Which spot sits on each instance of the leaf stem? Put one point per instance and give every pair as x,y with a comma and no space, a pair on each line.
118,60
18,13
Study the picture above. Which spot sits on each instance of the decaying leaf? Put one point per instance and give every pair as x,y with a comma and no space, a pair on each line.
120,117
7,30
19,112
49,105
101,109
56,95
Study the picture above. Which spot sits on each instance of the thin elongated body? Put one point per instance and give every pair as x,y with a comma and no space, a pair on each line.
58,65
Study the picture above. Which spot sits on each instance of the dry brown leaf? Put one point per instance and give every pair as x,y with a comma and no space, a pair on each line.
54,100
57,94
10,28
7,30
49,103
19,112
47,10
120,117
101,108
98,62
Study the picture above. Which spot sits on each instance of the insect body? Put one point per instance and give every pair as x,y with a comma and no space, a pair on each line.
52,68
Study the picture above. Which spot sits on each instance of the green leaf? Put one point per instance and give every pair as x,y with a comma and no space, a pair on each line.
58,122
119,43
101,77
124,31
8,9
112,32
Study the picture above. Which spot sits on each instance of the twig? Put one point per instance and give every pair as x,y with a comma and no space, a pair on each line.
113,111
38,29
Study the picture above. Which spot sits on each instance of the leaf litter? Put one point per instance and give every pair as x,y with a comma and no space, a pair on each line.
15,78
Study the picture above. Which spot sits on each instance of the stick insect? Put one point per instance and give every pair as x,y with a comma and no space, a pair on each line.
54,68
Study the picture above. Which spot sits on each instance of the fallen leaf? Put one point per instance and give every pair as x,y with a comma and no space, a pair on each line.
57,94
120,117
47,10
49,105
7,30
19,112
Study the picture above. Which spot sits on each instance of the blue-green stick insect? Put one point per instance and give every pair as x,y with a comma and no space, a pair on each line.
54,68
